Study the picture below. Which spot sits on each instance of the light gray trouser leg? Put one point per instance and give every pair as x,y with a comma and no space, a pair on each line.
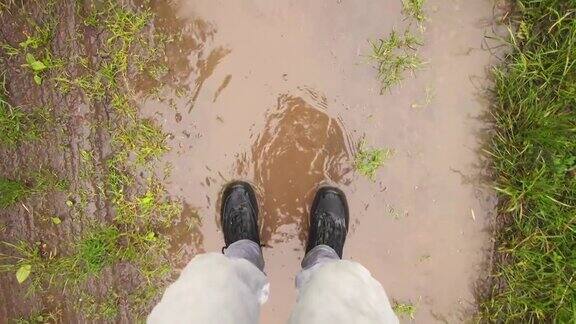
229,289
319,254
246,249
214,288
337,291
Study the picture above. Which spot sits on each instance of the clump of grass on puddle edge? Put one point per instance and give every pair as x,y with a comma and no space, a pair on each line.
368,160
404,310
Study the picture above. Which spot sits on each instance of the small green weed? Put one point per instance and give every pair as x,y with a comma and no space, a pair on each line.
93,19
394,56
41,38
368,160
404,310
142,208
121,27
415,10
36,43
37,67
27,262
92,84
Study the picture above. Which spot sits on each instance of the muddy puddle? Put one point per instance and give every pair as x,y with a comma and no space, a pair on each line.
281,93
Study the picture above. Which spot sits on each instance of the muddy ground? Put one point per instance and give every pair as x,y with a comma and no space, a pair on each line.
280,94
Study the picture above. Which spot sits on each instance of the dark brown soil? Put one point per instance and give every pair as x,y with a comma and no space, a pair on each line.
76,125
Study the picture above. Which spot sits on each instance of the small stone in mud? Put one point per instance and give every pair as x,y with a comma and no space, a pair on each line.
178,117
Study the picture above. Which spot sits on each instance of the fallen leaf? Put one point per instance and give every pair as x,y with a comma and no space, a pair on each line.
23,273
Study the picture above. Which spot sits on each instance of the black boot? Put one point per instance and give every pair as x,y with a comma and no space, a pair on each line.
239,213
328,220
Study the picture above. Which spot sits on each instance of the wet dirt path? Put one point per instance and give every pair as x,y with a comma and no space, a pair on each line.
280,95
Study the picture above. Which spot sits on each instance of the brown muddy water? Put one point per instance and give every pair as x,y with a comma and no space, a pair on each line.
281,94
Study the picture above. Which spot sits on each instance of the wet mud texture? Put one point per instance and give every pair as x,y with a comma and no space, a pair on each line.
279,94
284,95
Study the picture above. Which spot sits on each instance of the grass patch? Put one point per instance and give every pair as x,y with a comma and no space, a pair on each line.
17,126
45,180
404,310
35,50
39,269
368,160
13,125
11,192
395,56
27,257
97,250
100,247
141,209
534,161
414,9
143,139
41,38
